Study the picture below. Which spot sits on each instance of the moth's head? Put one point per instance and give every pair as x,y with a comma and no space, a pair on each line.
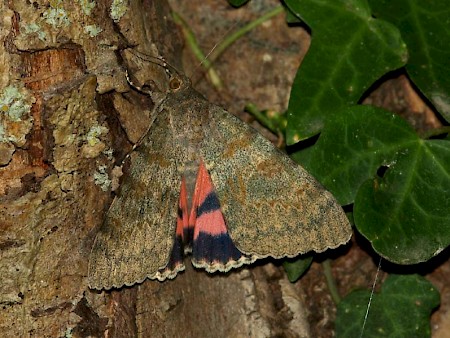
156,82
178,82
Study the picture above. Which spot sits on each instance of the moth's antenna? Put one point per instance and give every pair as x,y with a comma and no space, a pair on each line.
134,85
195,48
157,60
206,57
370,299
226,40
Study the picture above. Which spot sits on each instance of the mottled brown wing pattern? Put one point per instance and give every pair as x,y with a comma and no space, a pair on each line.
136,238
272,206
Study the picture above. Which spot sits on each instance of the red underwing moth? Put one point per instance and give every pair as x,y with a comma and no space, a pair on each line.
204,182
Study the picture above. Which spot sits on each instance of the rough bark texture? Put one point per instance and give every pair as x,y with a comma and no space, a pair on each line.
75,117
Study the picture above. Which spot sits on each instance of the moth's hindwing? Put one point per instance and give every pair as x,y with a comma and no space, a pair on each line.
212,247
272,206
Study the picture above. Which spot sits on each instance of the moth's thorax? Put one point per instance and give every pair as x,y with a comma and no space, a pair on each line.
190,114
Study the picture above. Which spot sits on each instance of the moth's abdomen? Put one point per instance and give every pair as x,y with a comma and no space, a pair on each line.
203,232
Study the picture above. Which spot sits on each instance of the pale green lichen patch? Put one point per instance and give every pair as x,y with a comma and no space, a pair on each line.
15,103
15,120
68,333
92,30
118,9
56,15
87,6
108,152
34,28
94,133
72,115
3,137
101,178
94,146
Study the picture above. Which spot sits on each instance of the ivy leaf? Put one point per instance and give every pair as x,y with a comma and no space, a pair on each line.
401,309
237,3
295,268
425,27
404,213
354,144
349,51
291,18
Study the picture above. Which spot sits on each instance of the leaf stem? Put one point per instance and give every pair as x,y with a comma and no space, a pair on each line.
244,30
221,47
262,118
435,132
331,283
198,53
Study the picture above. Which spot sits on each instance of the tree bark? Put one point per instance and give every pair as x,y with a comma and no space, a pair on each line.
78,119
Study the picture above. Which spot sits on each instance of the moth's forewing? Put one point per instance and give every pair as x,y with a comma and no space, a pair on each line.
272,206
137,236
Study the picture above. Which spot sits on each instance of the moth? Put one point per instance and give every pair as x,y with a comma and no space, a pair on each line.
203,182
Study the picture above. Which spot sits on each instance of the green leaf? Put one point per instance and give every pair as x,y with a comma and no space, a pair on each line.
425,27
401,309
291,17
270,119
353,145
295,268
237,3
349,51
404,214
